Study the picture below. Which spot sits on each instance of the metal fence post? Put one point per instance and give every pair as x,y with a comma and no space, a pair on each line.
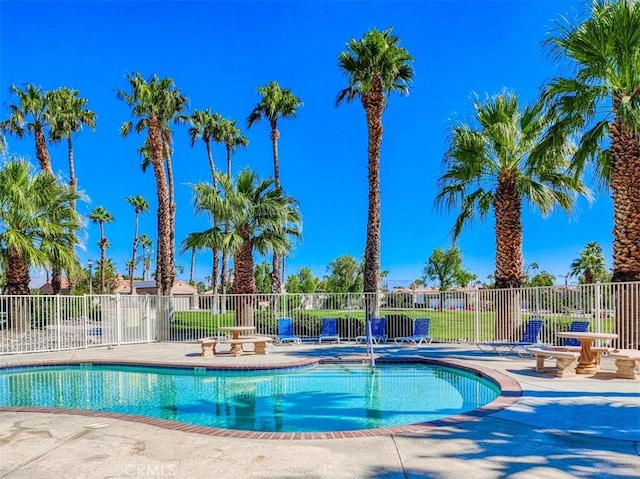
476,316
118,320
58,323
596,288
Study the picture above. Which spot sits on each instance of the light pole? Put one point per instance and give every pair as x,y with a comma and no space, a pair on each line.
90,266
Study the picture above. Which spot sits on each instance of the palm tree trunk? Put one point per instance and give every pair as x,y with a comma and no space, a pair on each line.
275,134
73,181
223,274
42,152
276,286
373,103
215,269
244,282
508,210
17,273
171,273
211,164
625,165
164,212
192,265
103,260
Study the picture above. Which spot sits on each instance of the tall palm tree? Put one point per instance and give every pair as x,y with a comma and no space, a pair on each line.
590,266
261,218
36,223
376,66
140,205
498,162
206,125
275,103
600,102
31,115
153,103
100,216
69,115
174,106
232,137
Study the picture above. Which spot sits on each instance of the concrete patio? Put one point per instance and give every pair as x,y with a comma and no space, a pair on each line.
587,426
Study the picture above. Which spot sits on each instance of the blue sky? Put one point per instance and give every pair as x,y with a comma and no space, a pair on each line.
219,52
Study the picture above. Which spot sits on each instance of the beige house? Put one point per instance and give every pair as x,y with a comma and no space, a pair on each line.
185,296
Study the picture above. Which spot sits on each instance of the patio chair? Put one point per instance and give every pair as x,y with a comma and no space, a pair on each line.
530,337
329,331
285,332
421,328
576,326
378,331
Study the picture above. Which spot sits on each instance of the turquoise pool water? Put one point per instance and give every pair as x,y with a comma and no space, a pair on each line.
318,399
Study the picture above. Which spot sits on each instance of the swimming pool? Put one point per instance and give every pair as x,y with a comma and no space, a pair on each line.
322,398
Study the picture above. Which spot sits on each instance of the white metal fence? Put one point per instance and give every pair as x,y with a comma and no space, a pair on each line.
50,323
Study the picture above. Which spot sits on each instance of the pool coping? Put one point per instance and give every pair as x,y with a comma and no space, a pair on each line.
509,387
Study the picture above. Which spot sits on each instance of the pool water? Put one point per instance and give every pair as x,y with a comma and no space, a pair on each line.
317,399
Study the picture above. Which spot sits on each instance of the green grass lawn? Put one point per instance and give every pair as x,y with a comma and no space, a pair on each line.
446,325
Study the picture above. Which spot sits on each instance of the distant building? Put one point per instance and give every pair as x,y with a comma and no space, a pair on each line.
65,287
185,296
433,298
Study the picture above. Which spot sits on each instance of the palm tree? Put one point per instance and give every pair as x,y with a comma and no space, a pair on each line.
100,216
261,218
153,103
147,255
140,205
590,266
206,126
36,223
501,162
174,106
375,66
232,137
275,103
69,115
601,103
31,114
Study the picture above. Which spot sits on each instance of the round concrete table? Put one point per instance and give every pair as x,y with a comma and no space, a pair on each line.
587,362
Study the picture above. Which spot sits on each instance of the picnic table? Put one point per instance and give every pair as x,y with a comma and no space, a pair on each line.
588,359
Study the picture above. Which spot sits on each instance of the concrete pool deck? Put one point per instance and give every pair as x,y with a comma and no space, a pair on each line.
587,426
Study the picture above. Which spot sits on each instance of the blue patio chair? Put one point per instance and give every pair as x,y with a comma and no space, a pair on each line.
378,331
285,332
530,337
576,326
329,331
421,328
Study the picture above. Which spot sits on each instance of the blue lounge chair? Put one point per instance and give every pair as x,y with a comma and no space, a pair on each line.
530,337
576,326
378,331
329,331
285,331
421,328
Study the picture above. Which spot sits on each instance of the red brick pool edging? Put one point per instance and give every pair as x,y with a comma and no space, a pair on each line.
509,387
